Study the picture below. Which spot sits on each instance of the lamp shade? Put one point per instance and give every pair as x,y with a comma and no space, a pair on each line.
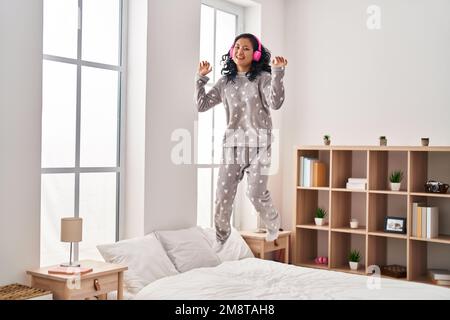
71,229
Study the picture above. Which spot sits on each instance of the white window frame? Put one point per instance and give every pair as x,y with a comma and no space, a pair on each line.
121,98
238,11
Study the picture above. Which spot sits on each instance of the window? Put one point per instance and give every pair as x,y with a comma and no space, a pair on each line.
82,102
221,22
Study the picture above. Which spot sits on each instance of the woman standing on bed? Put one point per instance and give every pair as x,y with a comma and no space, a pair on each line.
248,89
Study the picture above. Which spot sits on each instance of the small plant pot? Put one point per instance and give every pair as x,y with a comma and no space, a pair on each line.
383,142
326,142
353,265
319,221
395,186
354,224
425,141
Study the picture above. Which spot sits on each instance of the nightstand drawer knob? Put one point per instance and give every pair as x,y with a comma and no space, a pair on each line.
97,285
275,243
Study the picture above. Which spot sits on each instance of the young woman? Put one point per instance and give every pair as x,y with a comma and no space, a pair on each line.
248,89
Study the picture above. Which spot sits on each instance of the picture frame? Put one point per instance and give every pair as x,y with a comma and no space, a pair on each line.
395,224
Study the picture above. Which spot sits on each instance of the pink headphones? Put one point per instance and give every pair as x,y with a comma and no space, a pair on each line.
256,54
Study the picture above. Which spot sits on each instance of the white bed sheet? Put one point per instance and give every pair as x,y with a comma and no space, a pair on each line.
253,278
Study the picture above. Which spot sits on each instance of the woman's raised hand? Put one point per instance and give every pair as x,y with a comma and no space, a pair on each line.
279,62
204,68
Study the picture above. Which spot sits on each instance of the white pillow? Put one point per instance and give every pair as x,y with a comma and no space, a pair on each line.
188,248
145,258
235,248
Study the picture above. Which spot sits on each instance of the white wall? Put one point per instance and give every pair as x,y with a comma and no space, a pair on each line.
357,84
20,137
173,50
133,218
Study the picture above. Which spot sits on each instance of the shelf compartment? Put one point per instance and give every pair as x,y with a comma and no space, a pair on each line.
322,155
429,165
347,164
382,164
384,251
443,203
382,205
346,206
427,255
341,245
307,203
311,244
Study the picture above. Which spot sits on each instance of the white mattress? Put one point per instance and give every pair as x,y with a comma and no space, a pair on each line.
253,278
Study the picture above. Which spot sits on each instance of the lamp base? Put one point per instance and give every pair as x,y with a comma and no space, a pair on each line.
70,264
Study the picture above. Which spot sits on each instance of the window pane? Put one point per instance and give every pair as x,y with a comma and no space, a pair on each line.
58,114
204,152
99,111
225,34
207,35
60,28
204,197
98,210
57,201
101,31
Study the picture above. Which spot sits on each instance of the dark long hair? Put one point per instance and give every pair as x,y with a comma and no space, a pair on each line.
230,69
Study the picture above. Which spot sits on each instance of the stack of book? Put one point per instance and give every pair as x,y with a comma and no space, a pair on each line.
312,172
439,276
356,183
69,270
425,221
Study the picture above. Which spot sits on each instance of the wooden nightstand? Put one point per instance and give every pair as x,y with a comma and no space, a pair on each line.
105,277
259,246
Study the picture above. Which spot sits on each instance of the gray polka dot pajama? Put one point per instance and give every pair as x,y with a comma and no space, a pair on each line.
246,142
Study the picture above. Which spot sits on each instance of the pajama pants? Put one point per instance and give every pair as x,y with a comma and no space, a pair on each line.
255,162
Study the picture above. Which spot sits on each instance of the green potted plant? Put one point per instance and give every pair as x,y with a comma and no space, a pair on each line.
353,259
327,139
383,141
395,179
320,215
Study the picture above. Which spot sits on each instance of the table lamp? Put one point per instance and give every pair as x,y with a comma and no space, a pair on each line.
71,231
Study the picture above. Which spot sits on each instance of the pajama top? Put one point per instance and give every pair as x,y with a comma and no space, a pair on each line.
247,105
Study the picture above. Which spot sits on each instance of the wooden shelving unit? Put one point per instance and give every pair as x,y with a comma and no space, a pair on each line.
335,239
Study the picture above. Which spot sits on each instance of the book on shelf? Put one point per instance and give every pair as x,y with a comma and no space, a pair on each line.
69,270
441,282
415,205
319,174
425,223
356,183
357,180
439,274
312,172
357,186
432,214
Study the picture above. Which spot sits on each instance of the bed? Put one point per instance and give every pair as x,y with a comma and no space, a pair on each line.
186,265
253,278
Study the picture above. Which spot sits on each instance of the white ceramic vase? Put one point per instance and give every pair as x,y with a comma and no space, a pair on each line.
353,265
354,224
395,186
318,221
